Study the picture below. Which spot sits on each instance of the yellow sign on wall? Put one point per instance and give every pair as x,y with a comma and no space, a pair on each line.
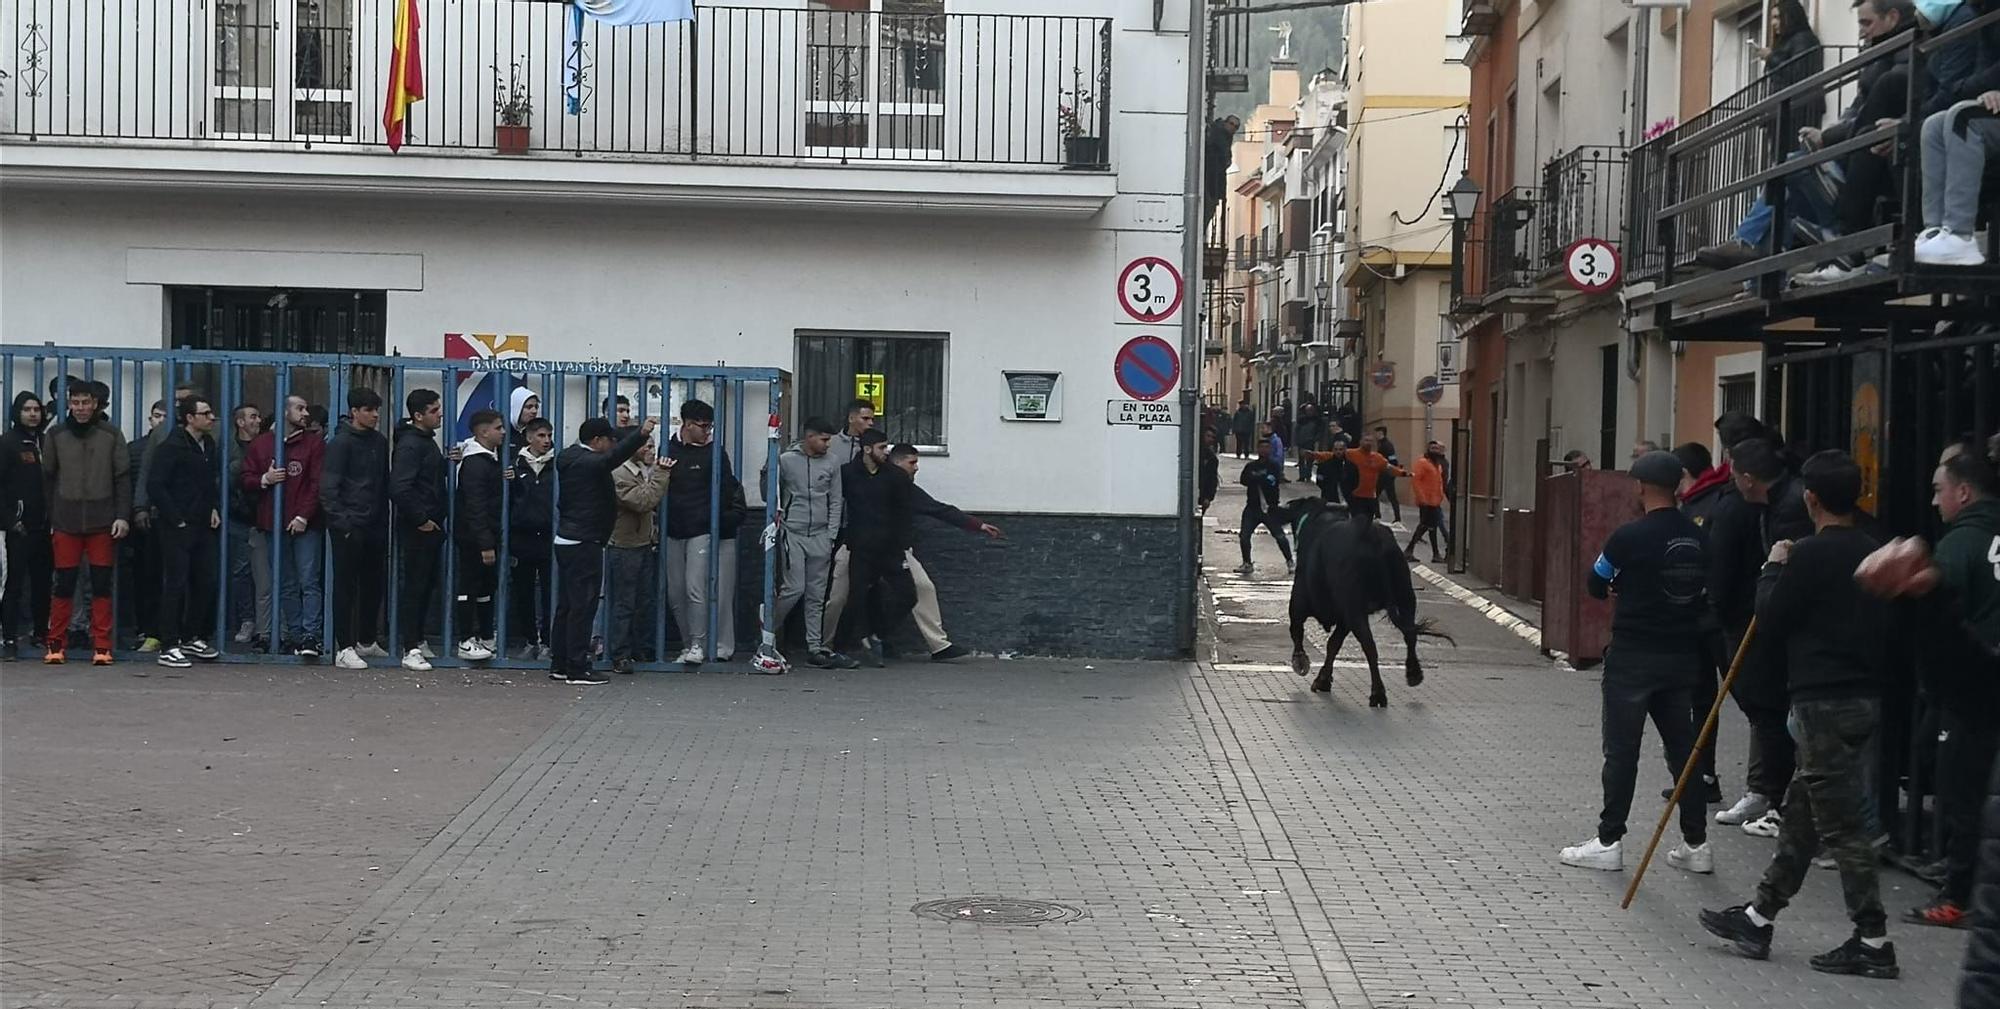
870,387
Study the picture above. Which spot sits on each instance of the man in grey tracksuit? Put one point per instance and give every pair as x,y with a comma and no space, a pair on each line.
810,511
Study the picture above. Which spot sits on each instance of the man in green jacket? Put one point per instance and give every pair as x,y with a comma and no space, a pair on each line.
1960,587
87,473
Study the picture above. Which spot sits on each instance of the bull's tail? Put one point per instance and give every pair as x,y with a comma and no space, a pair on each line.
1428,628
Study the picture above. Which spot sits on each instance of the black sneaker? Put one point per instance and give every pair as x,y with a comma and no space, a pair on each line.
310,653
559,677
1859,958
10,651
824,659
1751,940
948,653
1727,254
872,656
622,667
589,678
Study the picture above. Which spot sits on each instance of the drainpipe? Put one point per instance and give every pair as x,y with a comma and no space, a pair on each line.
1187,528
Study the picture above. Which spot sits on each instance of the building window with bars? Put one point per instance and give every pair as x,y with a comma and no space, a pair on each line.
903,374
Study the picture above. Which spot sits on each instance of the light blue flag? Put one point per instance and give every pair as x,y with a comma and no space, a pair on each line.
638,12
617,13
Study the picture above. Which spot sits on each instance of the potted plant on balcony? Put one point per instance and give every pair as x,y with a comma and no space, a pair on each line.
513,109
1080,149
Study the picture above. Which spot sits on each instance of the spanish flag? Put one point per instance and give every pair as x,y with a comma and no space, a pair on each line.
406,73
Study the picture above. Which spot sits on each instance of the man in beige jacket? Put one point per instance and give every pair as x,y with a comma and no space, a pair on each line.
632,554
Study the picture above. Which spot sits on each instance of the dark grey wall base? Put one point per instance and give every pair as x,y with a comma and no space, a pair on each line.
1082,585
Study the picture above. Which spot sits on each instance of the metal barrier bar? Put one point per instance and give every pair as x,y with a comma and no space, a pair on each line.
449,596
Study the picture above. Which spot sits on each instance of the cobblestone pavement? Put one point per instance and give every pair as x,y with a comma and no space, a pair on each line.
231,837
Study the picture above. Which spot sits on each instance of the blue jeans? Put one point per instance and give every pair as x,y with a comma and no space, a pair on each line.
1804,199
243,581
303,595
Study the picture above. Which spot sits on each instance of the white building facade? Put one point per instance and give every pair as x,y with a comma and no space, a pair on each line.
925,193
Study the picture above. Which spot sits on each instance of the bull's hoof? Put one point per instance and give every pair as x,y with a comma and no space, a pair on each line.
1415,676
1378,700
1300,664
1323,685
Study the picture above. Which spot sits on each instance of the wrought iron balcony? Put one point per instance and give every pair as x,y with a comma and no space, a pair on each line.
510,77
1582,196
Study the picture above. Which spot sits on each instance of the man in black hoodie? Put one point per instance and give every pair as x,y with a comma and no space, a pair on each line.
477,533
880,511
1763,480
589,508
184,486
354,499
532,522
698,466
24,515
1833,634
417,490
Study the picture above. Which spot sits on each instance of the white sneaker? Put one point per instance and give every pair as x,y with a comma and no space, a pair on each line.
473,650
1699,858
245,633
490,645
1927,234
371,650
425,647
1767,825
350,659
1595,854
1950,249
1748,808
770,664
414,661
691,656
1831,273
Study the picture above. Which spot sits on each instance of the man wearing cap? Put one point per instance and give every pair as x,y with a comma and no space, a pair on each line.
1657,567
1832,634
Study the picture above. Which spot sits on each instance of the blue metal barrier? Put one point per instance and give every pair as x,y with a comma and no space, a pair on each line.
231,379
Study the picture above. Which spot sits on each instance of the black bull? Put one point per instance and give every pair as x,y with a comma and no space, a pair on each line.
1350,568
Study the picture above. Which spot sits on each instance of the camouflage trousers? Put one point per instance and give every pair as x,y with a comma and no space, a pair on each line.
1826,808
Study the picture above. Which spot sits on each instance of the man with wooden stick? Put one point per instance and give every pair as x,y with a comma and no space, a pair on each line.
1657,566
1833,634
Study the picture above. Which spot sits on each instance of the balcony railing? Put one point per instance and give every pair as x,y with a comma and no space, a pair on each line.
1729,157
1583,196
1512,261
842,86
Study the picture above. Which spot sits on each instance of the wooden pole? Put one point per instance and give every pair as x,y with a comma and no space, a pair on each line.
1694,758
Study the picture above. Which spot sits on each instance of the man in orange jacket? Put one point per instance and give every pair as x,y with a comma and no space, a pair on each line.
1427,481
1370,465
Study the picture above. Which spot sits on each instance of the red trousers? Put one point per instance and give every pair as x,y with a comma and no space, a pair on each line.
70,552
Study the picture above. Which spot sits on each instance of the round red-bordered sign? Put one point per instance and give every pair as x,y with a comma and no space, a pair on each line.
1592,265
1140,293
1147,368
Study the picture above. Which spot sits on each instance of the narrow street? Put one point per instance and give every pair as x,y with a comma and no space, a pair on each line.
990,834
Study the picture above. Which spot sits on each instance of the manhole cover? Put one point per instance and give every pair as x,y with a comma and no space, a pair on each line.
998,911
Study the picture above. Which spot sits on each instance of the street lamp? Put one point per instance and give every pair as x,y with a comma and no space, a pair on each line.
1463,198
1460,204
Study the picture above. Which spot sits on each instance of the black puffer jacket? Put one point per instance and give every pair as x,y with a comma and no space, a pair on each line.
417,477
1979,988
589,499
354,482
